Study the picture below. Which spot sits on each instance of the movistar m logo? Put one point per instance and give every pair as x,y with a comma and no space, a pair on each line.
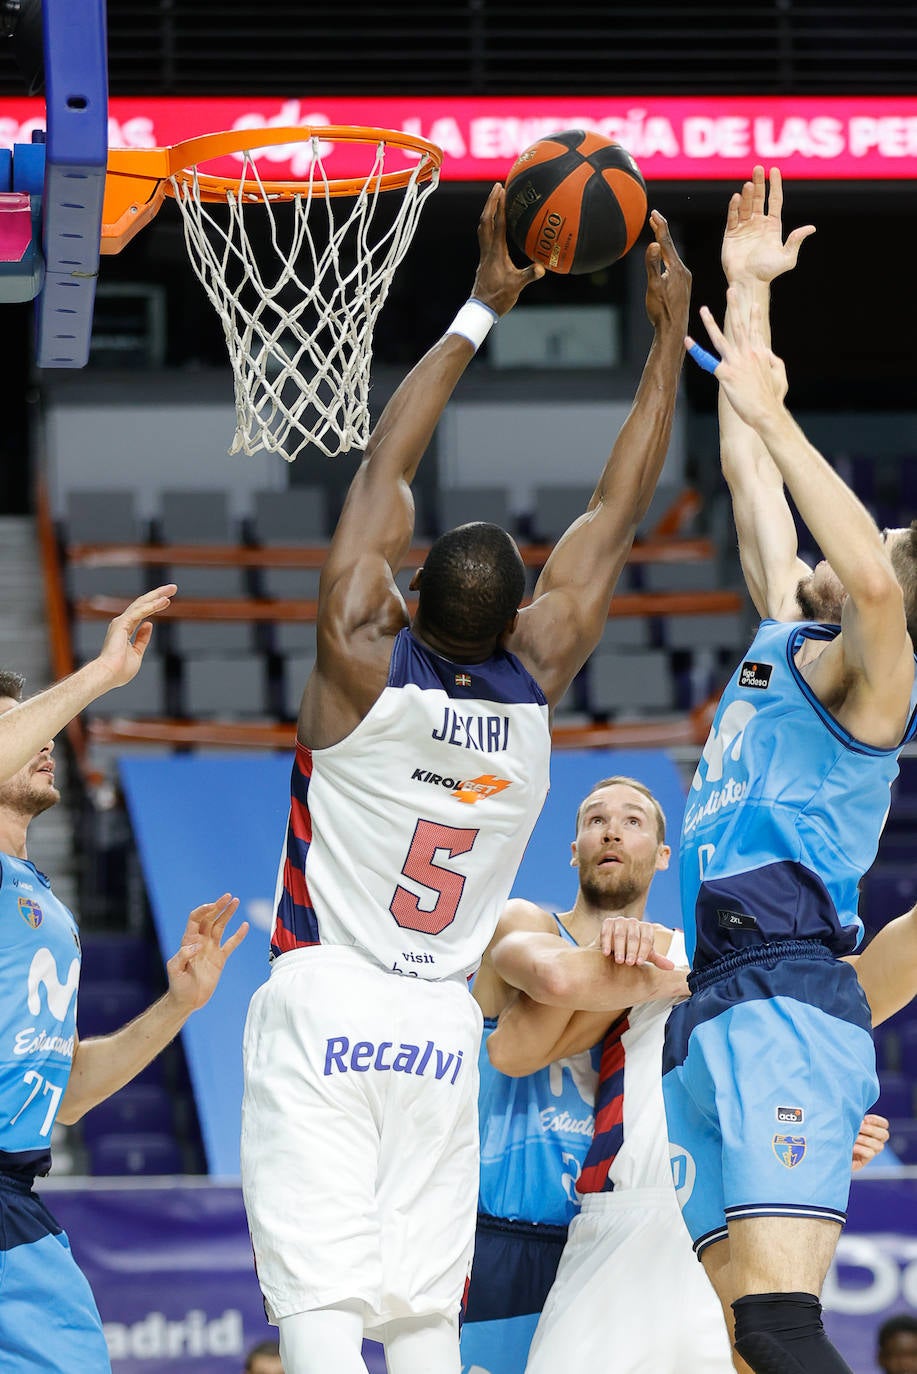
43,974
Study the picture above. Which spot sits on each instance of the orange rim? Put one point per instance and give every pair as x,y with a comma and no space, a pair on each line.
138,179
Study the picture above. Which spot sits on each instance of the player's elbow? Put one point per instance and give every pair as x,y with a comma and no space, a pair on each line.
71,1110
877,586
508,1057
552,983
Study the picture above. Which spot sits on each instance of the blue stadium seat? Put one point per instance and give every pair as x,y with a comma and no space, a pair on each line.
108,956
143,1153
888,890
896,1095
907,1046
106,1006
138,1108
903,1140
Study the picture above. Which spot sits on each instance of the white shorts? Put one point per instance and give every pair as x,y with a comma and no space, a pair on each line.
630,1296
360,1137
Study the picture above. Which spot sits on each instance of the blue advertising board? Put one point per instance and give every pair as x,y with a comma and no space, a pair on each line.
172,1272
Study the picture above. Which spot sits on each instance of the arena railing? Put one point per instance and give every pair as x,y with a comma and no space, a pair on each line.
686,728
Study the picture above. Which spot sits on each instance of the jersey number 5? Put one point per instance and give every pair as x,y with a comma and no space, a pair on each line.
420,868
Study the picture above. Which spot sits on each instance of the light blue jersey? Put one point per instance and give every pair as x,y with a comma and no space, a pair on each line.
785,811
48,1317
39,974
535,1133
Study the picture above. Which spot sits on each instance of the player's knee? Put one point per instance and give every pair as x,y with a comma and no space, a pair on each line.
782,1333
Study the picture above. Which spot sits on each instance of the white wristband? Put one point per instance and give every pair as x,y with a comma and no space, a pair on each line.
474,322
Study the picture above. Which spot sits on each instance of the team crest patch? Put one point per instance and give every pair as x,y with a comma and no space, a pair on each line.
30,912
755,675
463,679
789,1149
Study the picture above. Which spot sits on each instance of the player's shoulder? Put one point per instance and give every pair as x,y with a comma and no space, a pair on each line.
520,914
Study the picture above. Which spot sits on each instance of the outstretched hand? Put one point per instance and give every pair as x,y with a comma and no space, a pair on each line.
627,940
129,634
196,968
498,282
753,247
750,373
668,281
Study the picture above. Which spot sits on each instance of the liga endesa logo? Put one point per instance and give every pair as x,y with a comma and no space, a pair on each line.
468,790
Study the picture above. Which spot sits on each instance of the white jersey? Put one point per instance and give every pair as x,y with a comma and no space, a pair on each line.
404,838
630,1224
630,1142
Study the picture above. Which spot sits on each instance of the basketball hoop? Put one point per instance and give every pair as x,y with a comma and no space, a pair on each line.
298,316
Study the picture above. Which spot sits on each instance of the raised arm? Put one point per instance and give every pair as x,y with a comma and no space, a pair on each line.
103,1065
26,728
360,607
753,255
558,631
866,675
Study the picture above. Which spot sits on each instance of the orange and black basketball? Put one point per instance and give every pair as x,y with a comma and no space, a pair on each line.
575,201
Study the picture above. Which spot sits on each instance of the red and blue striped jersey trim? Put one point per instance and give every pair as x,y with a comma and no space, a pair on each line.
295,922
608,1132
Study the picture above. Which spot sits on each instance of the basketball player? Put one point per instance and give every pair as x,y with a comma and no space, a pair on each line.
48,1318
421,765
535,1129
630,1221
769,1066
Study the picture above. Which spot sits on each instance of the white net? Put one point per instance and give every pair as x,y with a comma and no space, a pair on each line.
298,285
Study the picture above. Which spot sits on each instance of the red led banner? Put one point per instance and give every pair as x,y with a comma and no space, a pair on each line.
672,138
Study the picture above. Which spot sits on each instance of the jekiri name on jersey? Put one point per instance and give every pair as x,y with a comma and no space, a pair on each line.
487,734
343,1057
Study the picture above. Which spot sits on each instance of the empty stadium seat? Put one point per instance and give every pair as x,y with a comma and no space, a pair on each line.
140,1153
896,1095
461,505
106,1006
109,956
102,517
298,515
144,695
296,670
228,686
727,630
137,1108
556,508
624,632
888,890
631,682
903,1140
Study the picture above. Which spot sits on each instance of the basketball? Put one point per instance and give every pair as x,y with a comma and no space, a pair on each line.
575,202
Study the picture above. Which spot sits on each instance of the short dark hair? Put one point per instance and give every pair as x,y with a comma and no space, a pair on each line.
262,1348
11,684
893,1326
473,581
904,562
